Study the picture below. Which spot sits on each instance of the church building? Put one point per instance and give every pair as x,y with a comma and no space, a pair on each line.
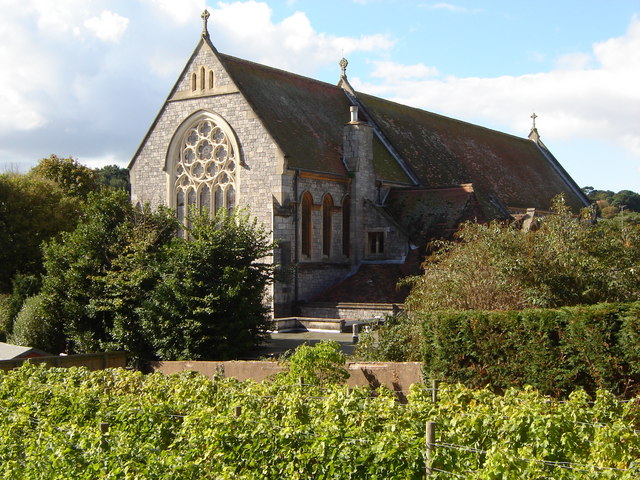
345,181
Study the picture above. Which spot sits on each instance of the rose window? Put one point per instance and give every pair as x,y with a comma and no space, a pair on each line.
205,172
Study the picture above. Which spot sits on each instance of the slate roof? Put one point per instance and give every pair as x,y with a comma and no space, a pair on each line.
442,152
9,351
374,283
435,213
306,118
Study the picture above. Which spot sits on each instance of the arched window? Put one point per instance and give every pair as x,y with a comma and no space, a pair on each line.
180,209
194,81
346,226
210,78
202,78
305,224
327,227
205,198
204,167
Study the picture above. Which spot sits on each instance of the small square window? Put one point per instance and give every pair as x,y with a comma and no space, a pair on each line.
376,243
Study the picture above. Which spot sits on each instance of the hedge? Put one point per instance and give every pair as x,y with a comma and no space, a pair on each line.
553,350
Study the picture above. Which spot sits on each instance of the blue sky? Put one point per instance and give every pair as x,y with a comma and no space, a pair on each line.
86,77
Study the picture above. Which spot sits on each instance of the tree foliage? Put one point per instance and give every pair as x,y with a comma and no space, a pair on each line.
75,179
113,176
610,203
99,274
209,301
123,280
32,210
567,261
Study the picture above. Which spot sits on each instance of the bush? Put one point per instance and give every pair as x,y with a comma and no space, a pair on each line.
567,261
209,300
554,350
321,364
399,339
32,328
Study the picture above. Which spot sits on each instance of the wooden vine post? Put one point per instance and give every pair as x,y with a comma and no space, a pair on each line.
430,441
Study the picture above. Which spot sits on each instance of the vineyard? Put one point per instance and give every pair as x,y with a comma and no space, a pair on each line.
116,424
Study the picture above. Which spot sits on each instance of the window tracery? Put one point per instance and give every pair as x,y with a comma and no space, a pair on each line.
204,170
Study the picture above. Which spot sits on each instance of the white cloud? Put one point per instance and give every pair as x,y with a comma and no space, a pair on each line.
24,78
108,27
574,61
290,44
179,11
449,7
391,70
592,95
59,18
99,162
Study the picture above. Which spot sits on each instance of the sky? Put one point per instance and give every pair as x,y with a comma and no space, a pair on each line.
86,78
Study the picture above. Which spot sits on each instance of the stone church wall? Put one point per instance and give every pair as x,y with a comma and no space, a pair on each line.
258,178
257,174
264,185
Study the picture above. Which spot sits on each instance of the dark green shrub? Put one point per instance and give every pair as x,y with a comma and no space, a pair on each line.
554,350
398,340
32,328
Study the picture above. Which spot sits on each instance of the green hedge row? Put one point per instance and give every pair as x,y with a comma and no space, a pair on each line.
553,350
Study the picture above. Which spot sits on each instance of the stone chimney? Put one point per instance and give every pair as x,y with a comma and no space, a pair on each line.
357,142
358,158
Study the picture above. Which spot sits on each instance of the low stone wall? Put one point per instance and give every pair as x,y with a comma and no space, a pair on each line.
397,376
298,324
93,361
349,311
242,370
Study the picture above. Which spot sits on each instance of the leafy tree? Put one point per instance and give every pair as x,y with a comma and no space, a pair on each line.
209,302
97,275
32,210
597,195
568,261
5,315
610,203
608,211
630,200
123,280
114,177
75,179
23,287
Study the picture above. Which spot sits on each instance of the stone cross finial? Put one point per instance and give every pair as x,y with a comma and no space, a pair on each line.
534,116
343,66
205,17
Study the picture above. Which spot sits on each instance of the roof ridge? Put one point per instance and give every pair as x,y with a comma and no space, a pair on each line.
226,56
463,122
